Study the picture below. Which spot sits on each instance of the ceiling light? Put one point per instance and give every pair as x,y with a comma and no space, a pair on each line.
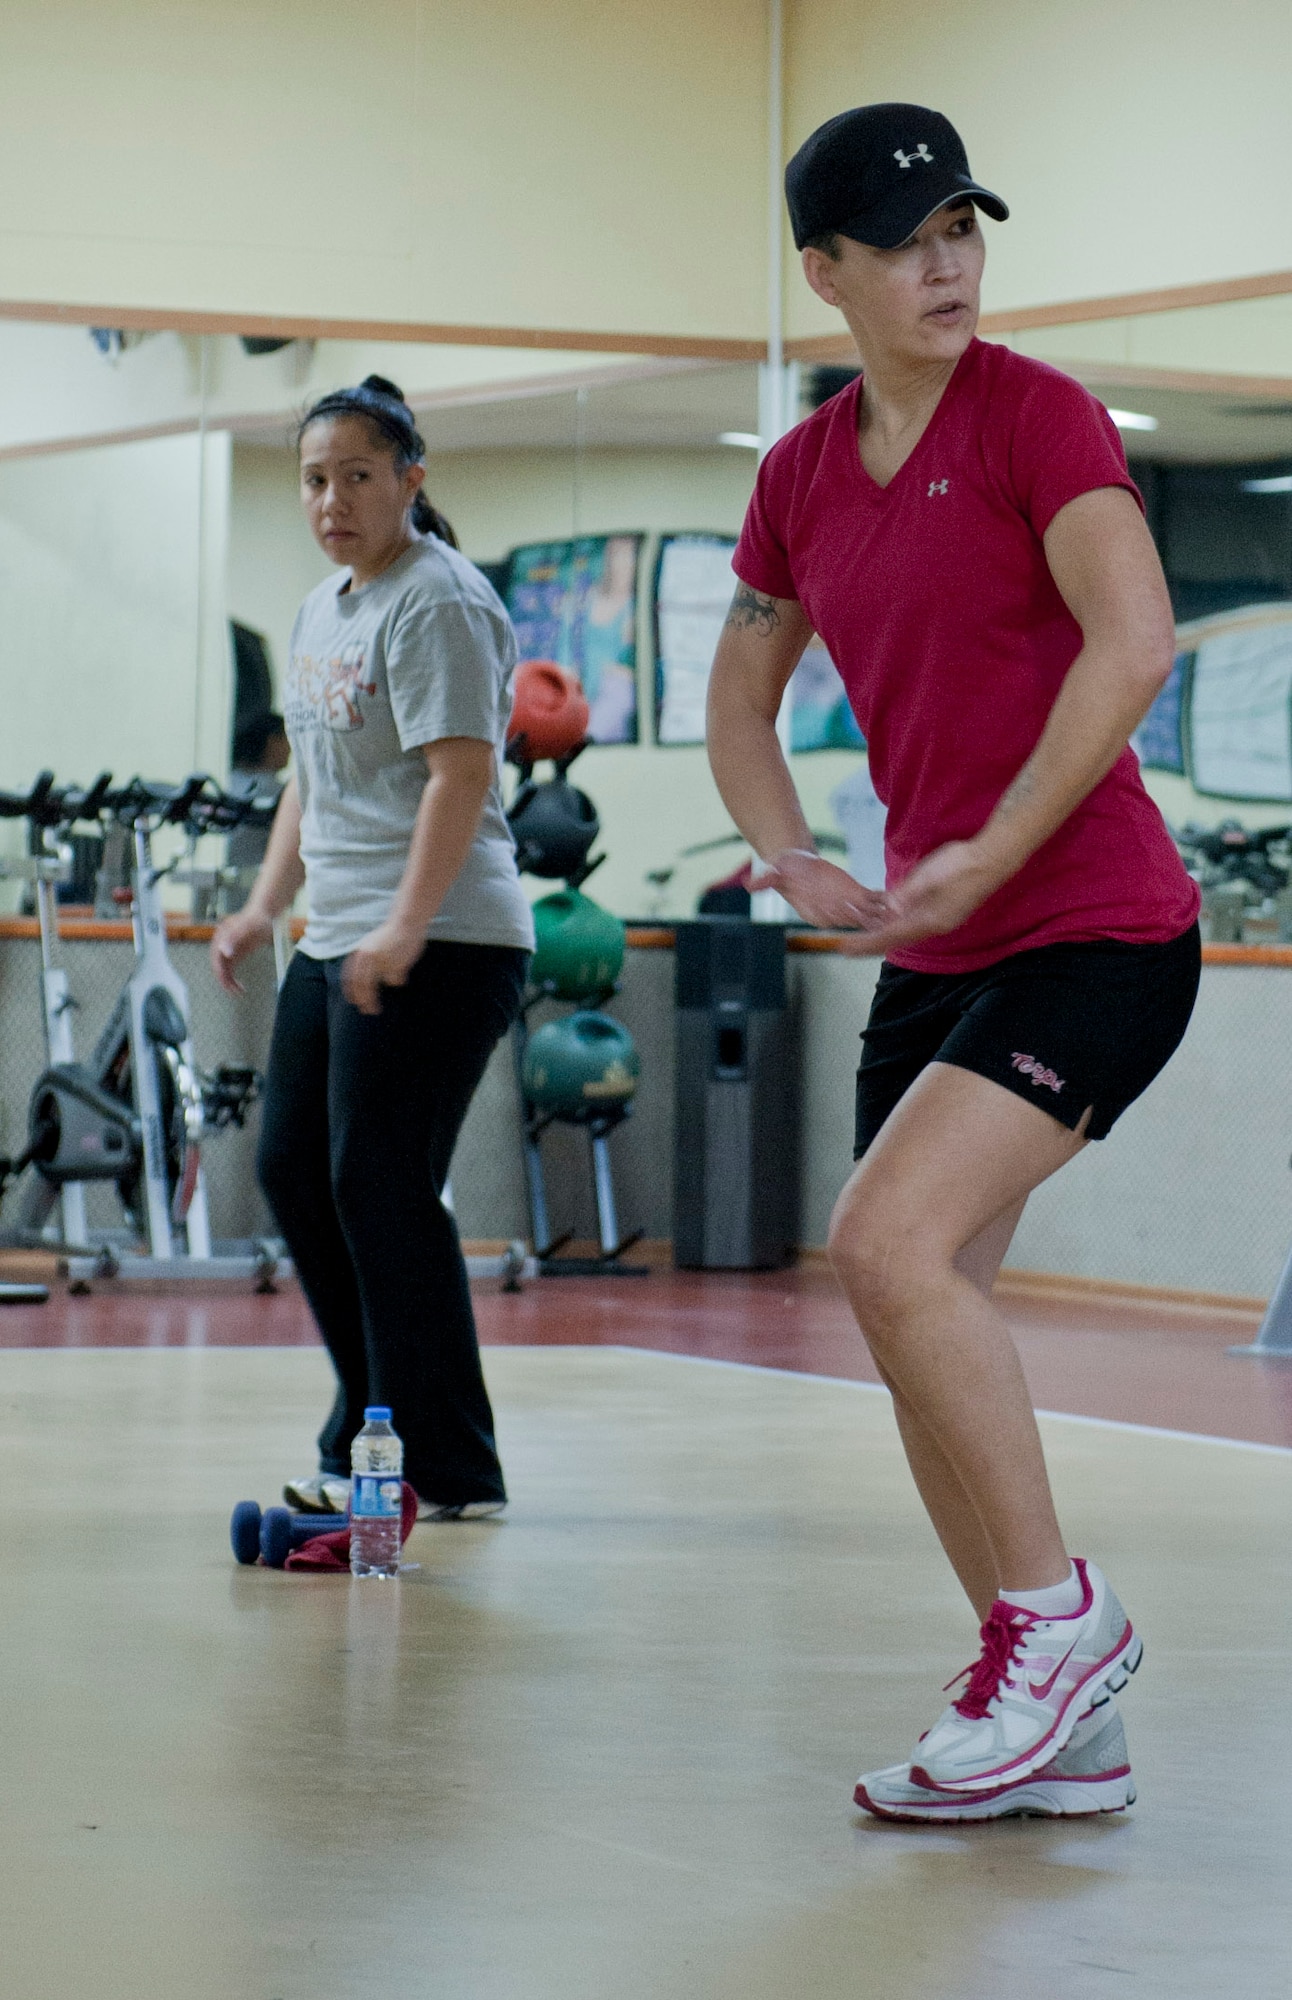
1133,420
1283,484
749,439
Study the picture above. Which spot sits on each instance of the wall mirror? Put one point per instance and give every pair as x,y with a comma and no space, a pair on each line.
153,552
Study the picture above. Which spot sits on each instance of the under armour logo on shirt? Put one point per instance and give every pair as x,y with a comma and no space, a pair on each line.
921,153
938,486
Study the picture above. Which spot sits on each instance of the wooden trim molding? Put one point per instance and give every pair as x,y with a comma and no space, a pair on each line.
117,930
1015,1282
1057,1284
1134,305
1077,312
1194,381
639,937
278,326
708,347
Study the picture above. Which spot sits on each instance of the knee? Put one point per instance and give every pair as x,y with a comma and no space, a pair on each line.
378,1184
878,1264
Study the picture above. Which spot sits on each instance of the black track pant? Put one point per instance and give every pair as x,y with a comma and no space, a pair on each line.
361,1115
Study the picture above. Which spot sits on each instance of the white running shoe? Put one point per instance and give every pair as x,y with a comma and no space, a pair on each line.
1091,1774
1034,1678
458,1510
321,1493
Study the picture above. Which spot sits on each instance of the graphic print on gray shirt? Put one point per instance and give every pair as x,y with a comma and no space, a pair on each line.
423,652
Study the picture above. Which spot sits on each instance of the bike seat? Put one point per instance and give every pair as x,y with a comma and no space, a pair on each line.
163,1021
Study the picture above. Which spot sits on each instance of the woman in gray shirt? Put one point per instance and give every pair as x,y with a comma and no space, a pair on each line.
415,950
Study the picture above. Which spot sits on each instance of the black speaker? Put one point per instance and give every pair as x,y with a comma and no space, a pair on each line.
735,1177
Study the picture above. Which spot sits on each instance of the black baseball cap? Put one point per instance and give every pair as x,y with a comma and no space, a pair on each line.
878,173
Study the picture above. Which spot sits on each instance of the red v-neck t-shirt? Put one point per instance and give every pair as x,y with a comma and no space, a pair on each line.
934,599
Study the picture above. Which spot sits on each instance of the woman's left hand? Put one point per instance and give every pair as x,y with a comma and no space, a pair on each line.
936,897
384,958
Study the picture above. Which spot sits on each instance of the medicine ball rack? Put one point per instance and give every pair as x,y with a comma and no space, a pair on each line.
598,1125
555,827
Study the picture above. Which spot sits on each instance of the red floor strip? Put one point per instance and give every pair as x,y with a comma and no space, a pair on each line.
1162,1366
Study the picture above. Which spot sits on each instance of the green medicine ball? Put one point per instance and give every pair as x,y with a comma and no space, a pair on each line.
581,1066
579,947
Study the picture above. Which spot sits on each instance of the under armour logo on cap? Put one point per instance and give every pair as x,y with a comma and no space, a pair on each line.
921,153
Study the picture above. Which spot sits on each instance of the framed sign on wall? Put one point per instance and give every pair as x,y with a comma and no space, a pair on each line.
575,602
694,582
1238,714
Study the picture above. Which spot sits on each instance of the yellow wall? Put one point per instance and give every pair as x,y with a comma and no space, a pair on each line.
1139,143
543,163
550,163
114,649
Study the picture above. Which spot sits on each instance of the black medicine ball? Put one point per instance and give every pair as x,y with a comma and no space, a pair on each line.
553,826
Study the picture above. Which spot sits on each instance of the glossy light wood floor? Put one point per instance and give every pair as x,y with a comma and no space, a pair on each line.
605,1750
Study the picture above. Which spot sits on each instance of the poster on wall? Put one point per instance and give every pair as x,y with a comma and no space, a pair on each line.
694,582
1159,740
1239,712
575,602
820,718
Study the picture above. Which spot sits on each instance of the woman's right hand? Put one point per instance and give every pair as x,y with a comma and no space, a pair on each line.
822,894
239,935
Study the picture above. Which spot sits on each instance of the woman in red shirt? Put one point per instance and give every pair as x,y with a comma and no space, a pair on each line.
959,527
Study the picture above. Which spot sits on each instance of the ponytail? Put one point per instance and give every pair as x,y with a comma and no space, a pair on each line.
428,520
381,403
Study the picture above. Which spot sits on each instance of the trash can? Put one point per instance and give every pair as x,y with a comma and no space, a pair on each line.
735,1147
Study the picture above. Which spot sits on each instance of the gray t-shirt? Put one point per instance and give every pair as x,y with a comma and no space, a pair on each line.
423,652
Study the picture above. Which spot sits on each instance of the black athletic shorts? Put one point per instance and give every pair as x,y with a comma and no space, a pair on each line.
1066,1026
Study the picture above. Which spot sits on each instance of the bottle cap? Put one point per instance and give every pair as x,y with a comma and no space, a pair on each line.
377,1413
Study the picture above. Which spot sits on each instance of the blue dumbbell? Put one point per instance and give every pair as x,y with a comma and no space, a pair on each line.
276,1532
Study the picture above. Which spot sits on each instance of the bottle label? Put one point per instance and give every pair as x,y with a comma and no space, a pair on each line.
373,1497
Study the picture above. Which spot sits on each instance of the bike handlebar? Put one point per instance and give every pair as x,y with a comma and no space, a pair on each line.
199,803
14,805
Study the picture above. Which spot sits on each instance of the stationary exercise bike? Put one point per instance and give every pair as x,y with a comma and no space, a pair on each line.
138,1112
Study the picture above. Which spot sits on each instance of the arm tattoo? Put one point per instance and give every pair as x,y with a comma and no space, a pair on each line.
1019,793
750,611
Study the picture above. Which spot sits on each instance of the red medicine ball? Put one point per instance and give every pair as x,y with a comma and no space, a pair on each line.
548,708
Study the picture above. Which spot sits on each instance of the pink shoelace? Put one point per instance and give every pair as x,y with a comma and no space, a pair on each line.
1004,1632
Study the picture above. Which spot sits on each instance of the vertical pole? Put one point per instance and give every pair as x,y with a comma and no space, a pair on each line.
200,593
775,233
604,1190
531,1155
58,1004
777,384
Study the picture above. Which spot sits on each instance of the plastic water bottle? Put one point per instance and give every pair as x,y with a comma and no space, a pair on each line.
376,1468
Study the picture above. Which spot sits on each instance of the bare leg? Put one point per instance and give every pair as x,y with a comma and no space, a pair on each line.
945,1500
954,1159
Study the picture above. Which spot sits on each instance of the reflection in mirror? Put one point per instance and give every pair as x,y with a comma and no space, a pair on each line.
1204,399
154,553
560,482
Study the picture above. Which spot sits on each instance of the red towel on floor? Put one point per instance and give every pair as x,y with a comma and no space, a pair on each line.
332,1551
